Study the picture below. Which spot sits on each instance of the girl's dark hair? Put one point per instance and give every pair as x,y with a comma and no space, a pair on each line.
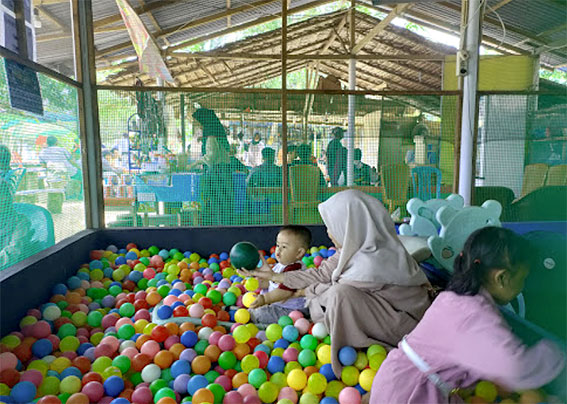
487,249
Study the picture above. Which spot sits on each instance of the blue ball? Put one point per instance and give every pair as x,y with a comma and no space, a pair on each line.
290,333
83,276
164,254
324,252
162,282
217,276
176,304
23,392
120,260
187,254
108,272
59,289
95,264
160,276
131,256
113,386
83,347
231,313
189,339
165,312
281,343
195,383
189,293
71,371
223,256
263,348
74,282
330,253
233,278
120,400
6,399
213,260
327,371
42,347
180,367
122,251
115,284
53,373
347,355
360,389
135,276
328,400
276,364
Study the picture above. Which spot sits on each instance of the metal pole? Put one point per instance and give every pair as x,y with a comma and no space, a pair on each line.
285,213
470,83
182,113
351,100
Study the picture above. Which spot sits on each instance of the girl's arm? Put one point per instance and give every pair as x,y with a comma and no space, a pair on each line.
490,349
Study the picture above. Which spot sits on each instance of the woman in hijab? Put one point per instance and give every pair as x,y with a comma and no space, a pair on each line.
216,184
371,291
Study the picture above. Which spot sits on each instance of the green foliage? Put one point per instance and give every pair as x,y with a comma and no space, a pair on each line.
556,75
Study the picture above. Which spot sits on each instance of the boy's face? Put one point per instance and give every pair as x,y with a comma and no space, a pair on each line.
289,248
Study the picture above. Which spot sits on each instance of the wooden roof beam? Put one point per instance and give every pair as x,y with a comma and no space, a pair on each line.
53,18
497,6
398,10
138,10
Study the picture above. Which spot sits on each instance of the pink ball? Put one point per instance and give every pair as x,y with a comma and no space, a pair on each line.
94,391
149,273
317,260
33,376
85,284
349,395
130,352
225,382
172,339
180,285
105,400
252,400
123,321
35,313
226,343
296,314
140,295
8,361
247,390
196,310
120,295
70,355
183,297
108,321
27,330
290,355
215,337
103,350
112,341
150,348
41,329
219,370
232,397
289,393
156,260
169,300
239,301
83,332
302,325
54,341
142,395
142,314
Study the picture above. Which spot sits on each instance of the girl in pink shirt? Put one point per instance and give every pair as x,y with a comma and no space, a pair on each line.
463,338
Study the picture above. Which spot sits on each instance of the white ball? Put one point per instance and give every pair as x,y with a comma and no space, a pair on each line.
150,373
319,331
51,313
205,333
48,359
127,344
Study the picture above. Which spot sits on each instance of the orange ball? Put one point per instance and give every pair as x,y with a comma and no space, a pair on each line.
194,265
168,400
141,340
127,393
223,315
241,350
73,298
186,327
201,365
209,320
239,379
176,350
531,397
309,370
182,265
82,363
172,328
212,352
78,398
49,400
270,261
220,329
153,298
203,396
164,359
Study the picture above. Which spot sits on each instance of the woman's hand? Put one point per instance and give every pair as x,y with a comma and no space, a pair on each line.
259,302
264,272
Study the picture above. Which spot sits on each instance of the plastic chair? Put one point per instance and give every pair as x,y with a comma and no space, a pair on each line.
395,181
41,223
556,175
422,181
534,177
304,184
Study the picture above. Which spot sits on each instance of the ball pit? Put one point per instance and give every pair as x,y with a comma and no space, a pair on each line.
157,326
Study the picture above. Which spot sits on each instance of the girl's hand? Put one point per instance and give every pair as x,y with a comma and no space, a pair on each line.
263,273
259,302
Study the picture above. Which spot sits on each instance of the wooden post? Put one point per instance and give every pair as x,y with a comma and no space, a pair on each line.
285,202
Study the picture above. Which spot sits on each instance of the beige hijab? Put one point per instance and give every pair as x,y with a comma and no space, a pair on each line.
371,250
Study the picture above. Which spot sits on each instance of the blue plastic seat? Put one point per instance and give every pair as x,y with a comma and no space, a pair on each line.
425,187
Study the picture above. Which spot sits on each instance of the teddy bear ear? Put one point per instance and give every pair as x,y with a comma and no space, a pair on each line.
445,214
493,209
413,206
456,201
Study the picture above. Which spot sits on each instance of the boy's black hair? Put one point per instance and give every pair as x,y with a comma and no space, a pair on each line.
487,249
300,231
268,154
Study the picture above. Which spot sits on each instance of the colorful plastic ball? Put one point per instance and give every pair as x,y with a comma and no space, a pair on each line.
375,349
287,393
93,390
275,364
308,341
226,343
361,361
195,383
201,365
307,358
319,331
375,361
290,354
196,310
113,386
257,377
268,392
218,392
328,400
327,371
347,355
350,375
317,383
23,392
232,397
349,395
249,363
324,354
367,377
290,333
244,255
241,334
70,384
249,298
142,395
308,398
297,379
227,360
486,390
164,392
180,367
49,399
242,316
164,312
40,348
150,373
302,325
229,299
274,332
189,338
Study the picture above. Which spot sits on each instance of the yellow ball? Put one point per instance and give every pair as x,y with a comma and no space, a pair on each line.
70,384
234,290
249,298
242,316
149,327
69,344
241,334
96,338
324,354
252,328
297,379
140,324
317,383
96,274
251,284
334,388
39,365
79,318
209,311
361,361
375,361
292,366
366,378
11,341
111,371
279,379
4,390
118,275
100,364
197,297
350,375
278,352
28,320
486,390
60,364
125,268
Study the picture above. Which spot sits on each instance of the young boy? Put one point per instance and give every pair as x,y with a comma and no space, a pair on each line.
291,244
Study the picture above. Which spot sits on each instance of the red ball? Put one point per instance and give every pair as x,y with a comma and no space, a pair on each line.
91,377
224,264
23,352
208,320
82,363
141,304
41,329
160,333
262,357
129,285
272,250
9,377
139,361
131,297
180,311
129,246
253,342
49,400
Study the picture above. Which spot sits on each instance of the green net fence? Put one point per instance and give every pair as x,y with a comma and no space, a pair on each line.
41,185
215,159
521,155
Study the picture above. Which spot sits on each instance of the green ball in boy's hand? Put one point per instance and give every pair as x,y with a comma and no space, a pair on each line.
244,255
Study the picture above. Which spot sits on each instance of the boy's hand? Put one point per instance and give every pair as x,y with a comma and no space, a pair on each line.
264,272
259,302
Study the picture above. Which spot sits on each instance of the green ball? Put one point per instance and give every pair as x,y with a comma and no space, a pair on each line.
163,290
268,392
152,282
67,330
214,295
49,386
164,392
127,310
70,384
279,379
291,366
285,320
178,256
217,390
64,397
308,341
211,375
309,398
145,261
249,363
153,250
114,290
229,299
307,358
136,378
227,360
375,349
327,340
66,313
157,385
257,377
244,255
126,331
201,346
274,332
200,288
62,304
143,283
166,375
215,267
122,362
